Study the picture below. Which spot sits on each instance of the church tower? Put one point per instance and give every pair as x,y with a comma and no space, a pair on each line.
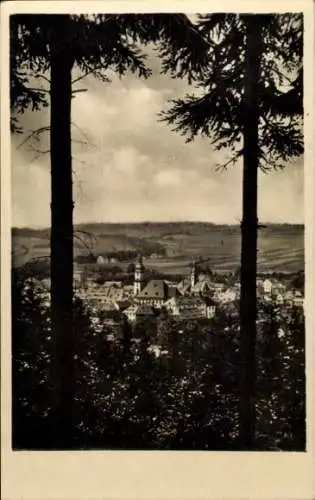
139,272
193,275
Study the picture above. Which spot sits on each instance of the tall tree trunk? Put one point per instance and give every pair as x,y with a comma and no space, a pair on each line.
61,233
249,232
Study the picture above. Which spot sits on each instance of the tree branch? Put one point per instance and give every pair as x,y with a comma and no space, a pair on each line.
281,75
40,153
35,134
34,89
88,140
78,91
79,161
96,71
90,244
231,161
77,141
90,71
79,185
43,77
76,80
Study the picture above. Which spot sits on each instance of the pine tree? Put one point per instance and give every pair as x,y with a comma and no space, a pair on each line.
249,103
58,43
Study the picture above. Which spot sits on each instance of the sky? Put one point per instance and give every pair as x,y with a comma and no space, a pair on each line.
130,167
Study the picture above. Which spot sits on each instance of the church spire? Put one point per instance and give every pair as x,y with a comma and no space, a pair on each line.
193,274
139,275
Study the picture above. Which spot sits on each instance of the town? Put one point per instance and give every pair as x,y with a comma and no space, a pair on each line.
198,295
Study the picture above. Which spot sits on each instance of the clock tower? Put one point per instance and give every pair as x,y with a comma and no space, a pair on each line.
193,274
139,275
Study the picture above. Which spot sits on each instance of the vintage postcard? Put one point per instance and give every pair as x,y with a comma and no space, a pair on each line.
157,239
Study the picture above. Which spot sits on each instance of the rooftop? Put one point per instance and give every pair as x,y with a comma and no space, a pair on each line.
159,290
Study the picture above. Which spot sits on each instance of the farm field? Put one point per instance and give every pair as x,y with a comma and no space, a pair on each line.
173,245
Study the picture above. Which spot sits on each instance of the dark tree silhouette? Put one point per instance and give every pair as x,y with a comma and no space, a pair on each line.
58,43
250,103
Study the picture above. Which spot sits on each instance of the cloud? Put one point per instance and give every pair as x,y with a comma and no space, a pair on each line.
30,195
129,166
168,179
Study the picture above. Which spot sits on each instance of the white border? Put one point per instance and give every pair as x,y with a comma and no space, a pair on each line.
155,475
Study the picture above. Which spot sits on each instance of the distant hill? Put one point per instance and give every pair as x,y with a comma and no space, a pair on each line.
174,244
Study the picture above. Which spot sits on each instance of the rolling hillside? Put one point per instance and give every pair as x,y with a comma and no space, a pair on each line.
281,247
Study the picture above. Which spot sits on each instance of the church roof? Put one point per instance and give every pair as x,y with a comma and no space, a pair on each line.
158,290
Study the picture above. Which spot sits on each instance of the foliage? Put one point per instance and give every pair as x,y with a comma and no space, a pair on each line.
100,43
182,394
31,357
281,379
298,281
216,110
35,268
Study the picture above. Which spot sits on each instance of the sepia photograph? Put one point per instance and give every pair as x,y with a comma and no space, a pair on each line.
157,231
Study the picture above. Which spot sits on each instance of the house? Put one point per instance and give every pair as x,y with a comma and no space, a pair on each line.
281,333
228,295
131,312
201,288
46,282
216,288
279,299
100,259
191,287
145,311
279,287
117,284
135,312
155,256
210,307
128,290
267,286
112,293
288,298
298,301
105,259
155,349
189,307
